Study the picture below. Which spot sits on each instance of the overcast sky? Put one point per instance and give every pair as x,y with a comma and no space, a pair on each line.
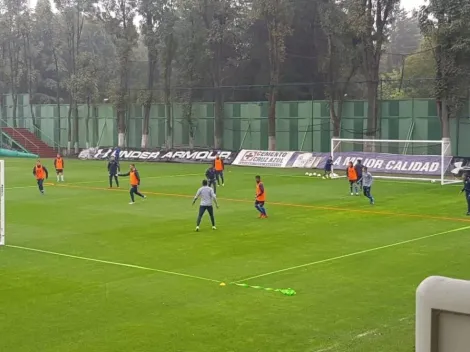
411,4
407,4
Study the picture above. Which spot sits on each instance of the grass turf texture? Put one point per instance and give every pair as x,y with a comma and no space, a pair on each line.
363,302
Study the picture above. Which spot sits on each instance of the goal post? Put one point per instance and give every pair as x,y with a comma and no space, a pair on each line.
420,160
2,202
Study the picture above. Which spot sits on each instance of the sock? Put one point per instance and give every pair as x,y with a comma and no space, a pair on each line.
62,178
212,219
198,222
222,178
262,210
140,194
58,178
351,189
110,181
259,208
117,181
132,195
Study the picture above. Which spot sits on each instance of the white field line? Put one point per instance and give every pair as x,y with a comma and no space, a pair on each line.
366,333
51,180
132,266
332,259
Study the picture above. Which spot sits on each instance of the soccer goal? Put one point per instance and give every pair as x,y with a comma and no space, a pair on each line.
2,202
421,160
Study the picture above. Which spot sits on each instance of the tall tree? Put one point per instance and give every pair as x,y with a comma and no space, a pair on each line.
222,22
73,17
118,17
341,62
50,43
370,20
277,17
189,59
167,45
149,25
12,45
446,23
405,38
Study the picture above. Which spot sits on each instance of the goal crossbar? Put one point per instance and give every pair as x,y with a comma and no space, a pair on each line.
443,157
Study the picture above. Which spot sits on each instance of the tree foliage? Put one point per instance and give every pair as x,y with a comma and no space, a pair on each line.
163,51
446,24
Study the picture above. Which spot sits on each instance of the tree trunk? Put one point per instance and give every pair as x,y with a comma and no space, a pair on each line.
219,119
76,128
272,118
57,94
121,117
87,121
169,120
146,123
69,127
191,138
336,117
167,91
152,61
14,97
372,113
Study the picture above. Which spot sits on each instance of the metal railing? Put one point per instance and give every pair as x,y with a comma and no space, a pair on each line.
43,137
22,137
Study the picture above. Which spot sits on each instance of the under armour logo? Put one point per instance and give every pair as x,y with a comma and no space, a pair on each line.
458,167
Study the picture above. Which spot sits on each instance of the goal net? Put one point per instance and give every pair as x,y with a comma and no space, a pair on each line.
2,202
422,160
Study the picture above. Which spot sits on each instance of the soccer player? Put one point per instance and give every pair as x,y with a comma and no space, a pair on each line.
328,167
113,170
358,167
134,179
219,170
367,181
211,176
352,177
41,173
466,189
208,197
260,198
59,168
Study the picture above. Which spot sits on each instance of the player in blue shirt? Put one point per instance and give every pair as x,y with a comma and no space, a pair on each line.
211,176
466,189
328,167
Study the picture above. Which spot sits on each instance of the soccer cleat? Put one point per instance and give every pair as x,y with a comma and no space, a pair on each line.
468,214
145,197
264,216
352,194
260,216
223,184
214,228
131,203
197,228
357,194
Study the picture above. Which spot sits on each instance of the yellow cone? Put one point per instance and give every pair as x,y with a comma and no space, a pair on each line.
222,284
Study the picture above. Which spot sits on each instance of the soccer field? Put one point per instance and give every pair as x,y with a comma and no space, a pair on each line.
85,271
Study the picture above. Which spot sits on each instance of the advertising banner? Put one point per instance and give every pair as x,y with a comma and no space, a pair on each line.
175,155
460,166
429,165
264,158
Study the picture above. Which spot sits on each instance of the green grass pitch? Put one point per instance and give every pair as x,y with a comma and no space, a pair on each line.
109,276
